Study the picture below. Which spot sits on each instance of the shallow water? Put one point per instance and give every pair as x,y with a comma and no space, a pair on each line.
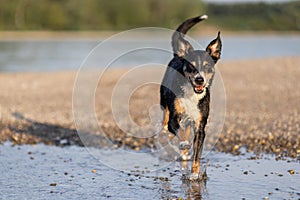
51,55
48,172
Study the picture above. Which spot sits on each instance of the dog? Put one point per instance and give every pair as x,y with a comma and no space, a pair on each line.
185,91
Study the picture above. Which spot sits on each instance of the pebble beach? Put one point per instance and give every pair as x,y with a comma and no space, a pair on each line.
262,108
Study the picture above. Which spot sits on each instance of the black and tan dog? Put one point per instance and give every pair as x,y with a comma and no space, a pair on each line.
185,90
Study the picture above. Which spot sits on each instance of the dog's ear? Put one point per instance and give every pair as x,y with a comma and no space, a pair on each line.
181,47
214,48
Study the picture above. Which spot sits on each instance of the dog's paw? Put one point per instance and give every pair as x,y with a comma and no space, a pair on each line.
183,158
195,176
198,177
184,145
186,157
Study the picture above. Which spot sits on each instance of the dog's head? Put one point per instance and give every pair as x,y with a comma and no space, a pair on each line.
198,65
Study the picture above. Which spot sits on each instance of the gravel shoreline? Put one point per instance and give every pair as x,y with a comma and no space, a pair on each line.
262,113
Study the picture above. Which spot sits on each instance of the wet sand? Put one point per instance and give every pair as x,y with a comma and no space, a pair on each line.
262,113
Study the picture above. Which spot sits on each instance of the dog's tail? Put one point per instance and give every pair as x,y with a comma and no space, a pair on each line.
179,44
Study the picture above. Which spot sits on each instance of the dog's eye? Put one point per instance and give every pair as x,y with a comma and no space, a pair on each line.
191,68
207,67
188,68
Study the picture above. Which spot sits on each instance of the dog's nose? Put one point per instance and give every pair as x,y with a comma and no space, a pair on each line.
199,80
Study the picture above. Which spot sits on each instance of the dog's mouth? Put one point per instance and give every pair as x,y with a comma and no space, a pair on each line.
199,88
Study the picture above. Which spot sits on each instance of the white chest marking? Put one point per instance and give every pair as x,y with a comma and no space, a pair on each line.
190,106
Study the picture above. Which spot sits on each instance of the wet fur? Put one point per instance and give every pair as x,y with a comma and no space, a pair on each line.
185,105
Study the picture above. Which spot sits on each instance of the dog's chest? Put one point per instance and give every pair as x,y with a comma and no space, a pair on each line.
190,107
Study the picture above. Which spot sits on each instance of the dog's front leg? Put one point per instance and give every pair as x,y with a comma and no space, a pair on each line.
184,138
197,147
173,124
175,116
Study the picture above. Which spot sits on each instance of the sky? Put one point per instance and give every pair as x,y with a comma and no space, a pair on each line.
241,1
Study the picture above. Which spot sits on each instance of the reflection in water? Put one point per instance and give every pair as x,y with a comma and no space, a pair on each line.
181,187
188,190
185,189
194,190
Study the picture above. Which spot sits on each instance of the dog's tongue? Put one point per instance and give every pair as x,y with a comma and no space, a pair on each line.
199,88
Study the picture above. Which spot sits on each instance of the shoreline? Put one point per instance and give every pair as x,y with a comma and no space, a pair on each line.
100,35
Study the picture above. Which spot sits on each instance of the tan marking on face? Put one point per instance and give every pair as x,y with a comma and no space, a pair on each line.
193,63
209,76
205,63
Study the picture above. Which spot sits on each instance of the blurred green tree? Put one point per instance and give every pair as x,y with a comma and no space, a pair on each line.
125,14
94,14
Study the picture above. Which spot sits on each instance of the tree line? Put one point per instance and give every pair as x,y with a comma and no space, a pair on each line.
125,14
